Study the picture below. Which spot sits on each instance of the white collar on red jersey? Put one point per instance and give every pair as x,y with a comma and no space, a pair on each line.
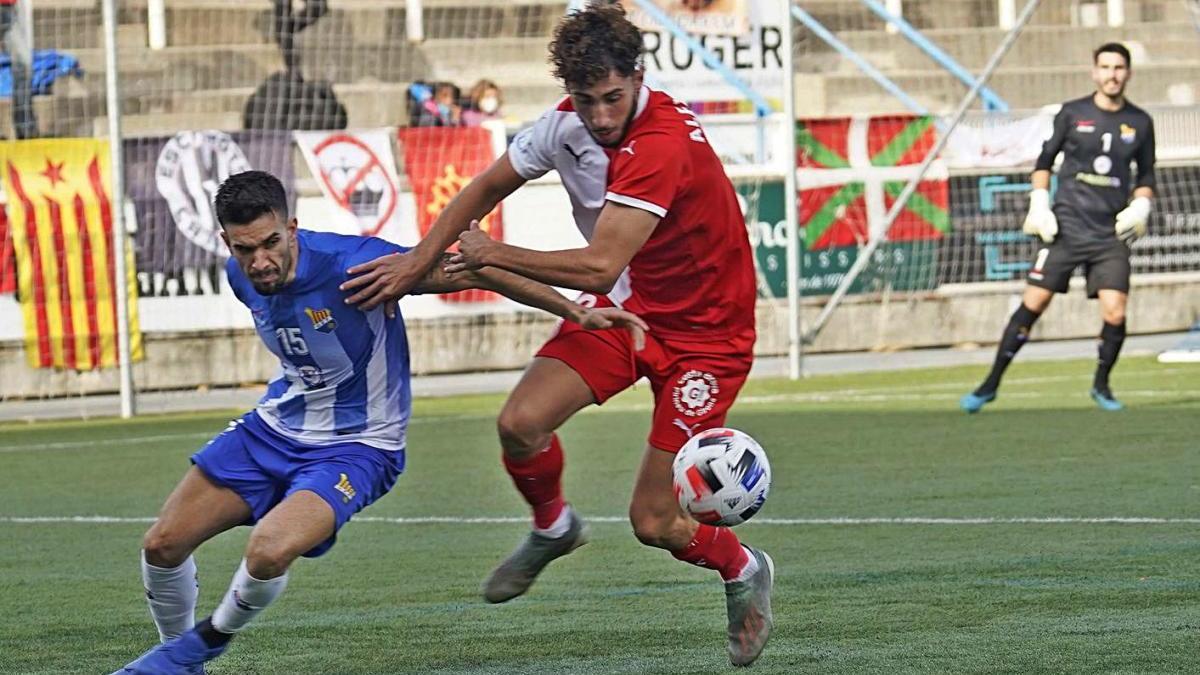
643,99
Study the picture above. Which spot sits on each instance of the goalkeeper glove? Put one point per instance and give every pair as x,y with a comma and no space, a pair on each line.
1131,223
1040,220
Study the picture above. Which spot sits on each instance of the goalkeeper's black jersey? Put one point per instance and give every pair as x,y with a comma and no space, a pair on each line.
1094,181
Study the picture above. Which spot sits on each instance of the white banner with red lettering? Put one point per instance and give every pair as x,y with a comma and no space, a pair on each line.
356,171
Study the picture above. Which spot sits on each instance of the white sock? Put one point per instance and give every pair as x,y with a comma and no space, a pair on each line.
245,598
747,571
560,525
171,593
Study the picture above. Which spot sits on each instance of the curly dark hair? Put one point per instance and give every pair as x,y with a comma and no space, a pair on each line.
589,44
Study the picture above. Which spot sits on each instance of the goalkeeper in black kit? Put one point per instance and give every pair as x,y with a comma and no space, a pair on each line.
1093,220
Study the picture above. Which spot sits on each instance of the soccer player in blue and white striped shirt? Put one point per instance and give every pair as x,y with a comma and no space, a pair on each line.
326,440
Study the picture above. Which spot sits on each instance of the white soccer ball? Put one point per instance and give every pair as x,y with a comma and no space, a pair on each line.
721,477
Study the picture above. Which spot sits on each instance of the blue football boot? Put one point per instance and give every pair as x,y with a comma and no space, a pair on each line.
185,655
972,402
1105,400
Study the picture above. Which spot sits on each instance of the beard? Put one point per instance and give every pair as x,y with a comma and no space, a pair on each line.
269,284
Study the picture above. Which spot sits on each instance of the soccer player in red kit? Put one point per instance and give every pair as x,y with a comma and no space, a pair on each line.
667,241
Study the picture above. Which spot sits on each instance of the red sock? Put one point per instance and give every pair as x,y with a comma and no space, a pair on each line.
715,548
538,479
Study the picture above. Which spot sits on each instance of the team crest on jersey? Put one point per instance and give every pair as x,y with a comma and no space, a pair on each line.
343,486
1085,126
1128,133
695,393
322,319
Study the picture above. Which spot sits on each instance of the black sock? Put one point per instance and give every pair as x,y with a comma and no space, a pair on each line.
1016,333
211,636
1112,336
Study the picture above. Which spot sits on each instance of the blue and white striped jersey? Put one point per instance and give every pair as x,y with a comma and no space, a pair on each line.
345,373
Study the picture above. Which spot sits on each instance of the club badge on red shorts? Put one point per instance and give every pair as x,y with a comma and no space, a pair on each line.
695,393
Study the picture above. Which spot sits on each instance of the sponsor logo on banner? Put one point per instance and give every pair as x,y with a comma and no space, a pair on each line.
357,172
191,166
989,244
704,17
746,36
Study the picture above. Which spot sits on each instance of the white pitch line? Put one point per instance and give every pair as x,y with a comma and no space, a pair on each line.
104,442
503,520
924,392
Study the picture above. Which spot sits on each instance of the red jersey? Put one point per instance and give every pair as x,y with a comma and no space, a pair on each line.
693,280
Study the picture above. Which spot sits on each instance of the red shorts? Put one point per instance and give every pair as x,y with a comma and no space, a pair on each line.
694,383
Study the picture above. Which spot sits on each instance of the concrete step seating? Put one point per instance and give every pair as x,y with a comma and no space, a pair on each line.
219,50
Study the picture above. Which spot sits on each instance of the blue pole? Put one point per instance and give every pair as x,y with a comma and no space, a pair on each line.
991,101
854,57
761,107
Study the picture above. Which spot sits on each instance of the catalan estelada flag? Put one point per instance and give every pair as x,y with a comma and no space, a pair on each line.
60,214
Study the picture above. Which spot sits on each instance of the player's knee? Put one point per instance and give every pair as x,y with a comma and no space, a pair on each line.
163,548
1114,315
521,434
266,558
651,527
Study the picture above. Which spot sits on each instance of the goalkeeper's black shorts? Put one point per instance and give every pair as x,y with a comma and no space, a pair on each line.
1105,263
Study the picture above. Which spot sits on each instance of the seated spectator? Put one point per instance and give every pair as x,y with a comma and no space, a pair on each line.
483,105
435,106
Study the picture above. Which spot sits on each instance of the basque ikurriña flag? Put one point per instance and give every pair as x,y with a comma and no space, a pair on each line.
851,170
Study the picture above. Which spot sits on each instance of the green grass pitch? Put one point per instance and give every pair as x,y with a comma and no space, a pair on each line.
1000,594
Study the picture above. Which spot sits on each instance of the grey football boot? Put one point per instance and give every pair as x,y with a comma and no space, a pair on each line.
748,606
516,573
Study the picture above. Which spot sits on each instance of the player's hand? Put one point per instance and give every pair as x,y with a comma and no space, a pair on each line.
1040,221
473,246
382,281
1131,222
602,318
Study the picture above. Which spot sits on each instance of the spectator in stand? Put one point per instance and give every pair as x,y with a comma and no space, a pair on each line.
434,105
288,21
17,37
483,105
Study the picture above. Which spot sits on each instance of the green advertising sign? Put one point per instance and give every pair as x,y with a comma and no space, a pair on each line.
909,265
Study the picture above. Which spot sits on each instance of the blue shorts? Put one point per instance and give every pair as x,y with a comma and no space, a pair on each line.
263,468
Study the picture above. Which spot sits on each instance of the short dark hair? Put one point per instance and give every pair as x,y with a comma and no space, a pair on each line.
590,43
1115,48
244,197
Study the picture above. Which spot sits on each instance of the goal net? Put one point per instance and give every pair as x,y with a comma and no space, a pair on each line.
374,116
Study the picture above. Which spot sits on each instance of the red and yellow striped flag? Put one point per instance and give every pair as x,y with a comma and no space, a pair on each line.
60,214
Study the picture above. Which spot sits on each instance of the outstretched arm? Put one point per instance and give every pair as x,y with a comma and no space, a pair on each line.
533,294
620,232
387,278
